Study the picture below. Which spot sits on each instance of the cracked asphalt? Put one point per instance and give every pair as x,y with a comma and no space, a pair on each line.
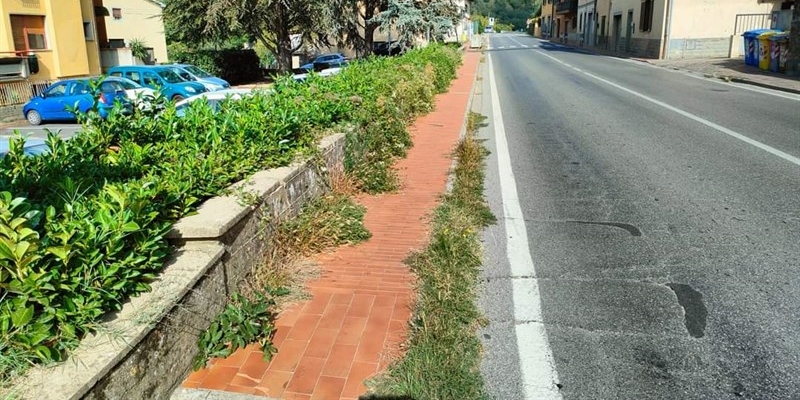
665,246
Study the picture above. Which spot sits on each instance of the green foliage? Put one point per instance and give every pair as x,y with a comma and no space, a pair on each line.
235,66
511,12
139,49
413,19
444,354
243,321
82,228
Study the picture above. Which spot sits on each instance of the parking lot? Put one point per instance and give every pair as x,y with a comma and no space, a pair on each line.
65,130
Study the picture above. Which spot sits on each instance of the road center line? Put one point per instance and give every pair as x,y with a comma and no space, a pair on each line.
539,376
788,157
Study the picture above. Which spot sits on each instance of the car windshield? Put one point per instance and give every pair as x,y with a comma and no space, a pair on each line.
197,71
170,76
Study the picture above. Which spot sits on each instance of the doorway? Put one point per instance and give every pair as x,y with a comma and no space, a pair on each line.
617,32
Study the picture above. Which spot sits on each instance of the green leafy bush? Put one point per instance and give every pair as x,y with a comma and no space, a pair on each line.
82,228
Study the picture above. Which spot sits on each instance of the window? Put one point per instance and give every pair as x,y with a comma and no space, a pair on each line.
28,32
151,79
88,31
132,75
79,88
56,90
116,13
646,16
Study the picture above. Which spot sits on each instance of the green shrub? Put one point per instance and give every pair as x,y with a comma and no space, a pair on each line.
235,66
83,227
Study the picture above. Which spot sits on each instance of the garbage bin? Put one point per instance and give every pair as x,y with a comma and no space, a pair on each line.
774,51
751,46
764,50
783,50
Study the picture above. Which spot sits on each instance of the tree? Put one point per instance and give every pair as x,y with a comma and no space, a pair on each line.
793,63
352,17
412,19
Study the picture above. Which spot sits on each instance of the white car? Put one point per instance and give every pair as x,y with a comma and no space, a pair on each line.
139,95
214,98
324,73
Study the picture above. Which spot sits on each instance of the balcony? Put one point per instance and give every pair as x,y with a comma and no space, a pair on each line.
567,7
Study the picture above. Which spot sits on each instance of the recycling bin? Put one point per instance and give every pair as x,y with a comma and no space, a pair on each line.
751,46
764,49
782,41
774,52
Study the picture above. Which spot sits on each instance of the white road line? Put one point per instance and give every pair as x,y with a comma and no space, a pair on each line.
539,376
502,47
512,47
788,157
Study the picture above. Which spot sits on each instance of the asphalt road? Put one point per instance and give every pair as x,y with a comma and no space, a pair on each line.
40,131
662,214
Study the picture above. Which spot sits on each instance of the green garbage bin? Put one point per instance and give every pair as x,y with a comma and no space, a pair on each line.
784,52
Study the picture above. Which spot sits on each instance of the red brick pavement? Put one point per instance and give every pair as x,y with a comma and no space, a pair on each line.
360,305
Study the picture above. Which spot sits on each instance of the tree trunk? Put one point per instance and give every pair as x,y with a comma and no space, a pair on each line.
284,42
793,63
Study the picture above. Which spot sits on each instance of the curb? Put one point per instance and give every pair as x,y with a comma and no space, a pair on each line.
764,85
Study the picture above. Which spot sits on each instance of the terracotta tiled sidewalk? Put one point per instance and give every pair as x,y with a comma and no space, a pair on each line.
360,304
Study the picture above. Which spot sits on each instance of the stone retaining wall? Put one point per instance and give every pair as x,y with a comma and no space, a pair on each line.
146,350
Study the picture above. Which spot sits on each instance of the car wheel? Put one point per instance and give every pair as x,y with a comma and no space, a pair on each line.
177,98
33,117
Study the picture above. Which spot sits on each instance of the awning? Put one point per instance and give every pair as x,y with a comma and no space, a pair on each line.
100,11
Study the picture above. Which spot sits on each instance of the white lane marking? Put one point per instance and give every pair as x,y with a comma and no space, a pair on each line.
788,157
539,375
512,47
745,86
502,47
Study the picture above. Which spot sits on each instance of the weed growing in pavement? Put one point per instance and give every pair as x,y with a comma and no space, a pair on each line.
443,352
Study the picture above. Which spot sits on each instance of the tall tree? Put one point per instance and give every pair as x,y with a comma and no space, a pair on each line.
282,26
412,19
793,63
352,21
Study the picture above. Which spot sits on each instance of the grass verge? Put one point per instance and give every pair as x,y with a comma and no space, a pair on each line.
443,352
326,222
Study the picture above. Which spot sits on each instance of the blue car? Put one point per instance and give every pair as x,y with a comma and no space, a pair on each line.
161,78
195,74
55,102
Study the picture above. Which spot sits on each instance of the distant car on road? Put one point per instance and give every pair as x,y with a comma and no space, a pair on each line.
55,102
196,74
161,78
326,60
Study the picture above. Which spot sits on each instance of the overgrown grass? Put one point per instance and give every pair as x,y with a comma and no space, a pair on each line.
327,222
444,353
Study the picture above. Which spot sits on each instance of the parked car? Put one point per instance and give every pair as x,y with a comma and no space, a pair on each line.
161,78
214,99
324,73
392,48
326,61
138,95
54,103
32,146
195,74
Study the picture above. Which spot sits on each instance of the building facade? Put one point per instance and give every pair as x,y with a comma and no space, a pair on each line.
135,19
672,28
58,38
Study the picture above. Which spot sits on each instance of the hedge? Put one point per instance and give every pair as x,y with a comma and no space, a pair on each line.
82,228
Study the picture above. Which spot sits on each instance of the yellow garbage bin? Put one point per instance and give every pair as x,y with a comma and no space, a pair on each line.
764,49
